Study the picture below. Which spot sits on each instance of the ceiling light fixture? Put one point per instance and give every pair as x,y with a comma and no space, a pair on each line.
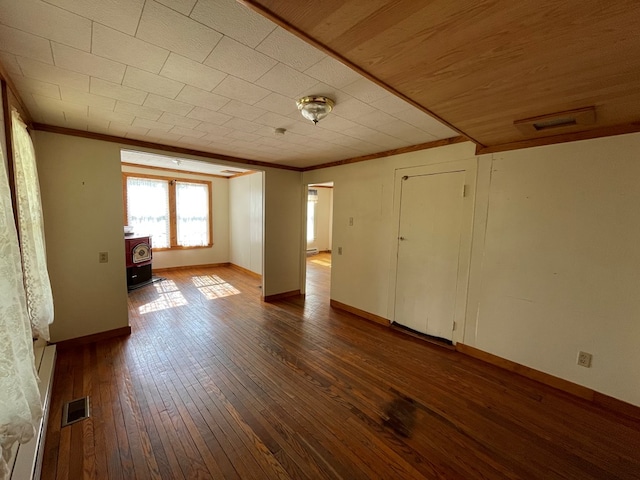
315,108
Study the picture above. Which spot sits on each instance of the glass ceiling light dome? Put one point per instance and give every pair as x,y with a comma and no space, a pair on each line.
315,108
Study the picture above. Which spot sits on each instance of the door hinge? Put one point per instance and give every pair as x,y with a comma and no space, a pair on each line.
455,325
464,190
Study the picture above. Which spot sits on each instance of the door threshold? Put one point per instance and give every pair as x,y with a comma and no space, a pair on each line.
441,342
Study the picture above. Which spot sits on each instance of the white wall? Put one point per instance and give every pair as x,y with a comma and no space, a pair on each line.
560,268
324,212
81,186
555,256
219,252
284,197
246,222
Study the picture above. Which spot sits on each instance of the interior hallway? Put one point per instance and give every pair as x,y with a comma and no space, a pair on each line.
214,383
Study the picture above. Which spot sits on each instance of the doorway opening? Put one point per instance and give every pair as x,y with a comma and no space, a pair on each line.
318,241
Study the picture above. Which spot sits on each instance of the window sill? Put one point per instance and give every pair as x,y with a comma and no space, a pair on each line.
169,249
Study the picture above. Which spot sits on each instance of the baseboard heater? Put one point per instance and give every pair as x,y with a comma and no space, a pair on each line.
26,460
312,251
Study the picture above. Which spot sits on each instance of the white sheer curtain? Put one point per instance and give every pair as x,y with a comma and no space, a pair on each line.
30,224
148,208
20,406
192,214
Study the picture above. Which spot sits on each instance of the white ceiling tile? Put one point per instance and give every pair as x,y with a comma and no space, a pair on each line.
391,104
290,50
178,120
242,125
426,122
332,72
103,114
52,74
113,90
304,128
241,110
192,73
94,123
276,103
83,98
168,105
352,109
122,15
377,138
404,131
163,136
275,120
25,44
48,21
53,117
233,20
149,82
338,96
200,142
377,119
238,89
138,110
366,90
157,126
239,60
169,29
82,62
182,6
37,87
10,63
335,123
187,132
51,104
209,116
118,46
286,81
121,130
214,129
219,139
240,135
196,96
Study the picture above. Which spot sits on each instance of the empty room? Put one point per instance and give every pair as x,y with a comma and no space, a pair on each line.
346,240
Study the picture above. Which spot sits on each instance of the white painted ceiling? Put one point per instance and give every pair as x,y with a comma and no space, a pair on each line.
144,159
208,75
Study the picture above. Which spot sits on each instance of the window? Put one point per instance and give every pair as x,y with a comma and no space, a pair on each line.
176,213
312,199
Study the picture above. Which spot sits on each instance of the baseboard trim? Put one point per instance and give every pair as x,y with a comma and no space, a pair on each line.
187,267
95,337
245,270
360,313
280,296
585,393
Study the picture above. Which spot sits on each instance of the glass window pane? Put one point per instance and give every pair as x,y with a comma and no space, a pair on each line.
148,209
311,221
192,214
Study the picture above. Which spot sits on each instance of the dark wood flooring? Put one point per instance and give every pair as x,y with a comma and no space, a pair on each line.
213,383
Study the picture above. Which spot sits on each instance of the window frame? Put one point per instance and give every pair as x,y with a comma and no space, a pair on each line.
173,226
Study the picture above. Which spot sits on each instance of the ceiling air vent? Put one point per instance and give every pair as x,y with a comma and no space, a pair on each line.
557,121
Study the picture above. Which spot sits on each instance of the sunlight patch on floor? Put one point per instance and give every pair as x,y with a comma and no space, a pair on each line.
324,263
169,297
212,287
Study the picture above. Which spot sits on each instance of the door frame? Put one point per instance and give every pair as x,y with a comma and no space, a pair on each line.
470,168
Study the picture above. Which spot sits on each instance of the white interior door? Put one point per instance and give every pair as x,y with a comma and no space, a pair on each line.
428,252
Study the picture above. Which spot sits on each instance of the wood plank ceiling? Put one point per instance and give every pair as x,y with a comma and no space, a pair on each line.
206,75
481,65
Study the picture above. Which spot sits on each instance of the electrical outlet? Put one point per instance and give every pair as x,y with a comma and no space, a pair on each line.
584,359
339,250
103,257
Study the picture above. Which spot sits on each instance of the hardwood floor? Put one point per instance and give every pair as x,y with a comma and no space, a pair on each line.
213,383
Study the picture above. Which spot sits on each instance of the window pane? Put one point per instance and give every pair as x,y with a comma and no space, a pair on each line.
148,209
192,214
311,221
